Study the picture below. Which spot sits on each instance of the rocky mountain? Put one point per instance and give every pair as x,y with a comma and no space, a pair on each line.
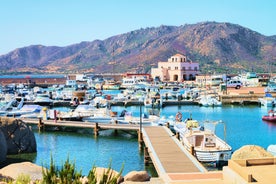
216,46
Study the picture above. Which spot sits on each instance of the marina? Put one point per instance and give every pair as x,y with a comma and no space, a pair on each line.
239,121
138,131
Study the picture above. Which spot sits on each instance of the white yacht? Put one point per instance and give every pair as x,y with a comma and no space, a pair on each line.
202,142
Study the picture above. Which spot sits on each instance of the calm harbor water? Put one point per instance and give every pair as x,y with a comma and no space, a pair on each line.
243,127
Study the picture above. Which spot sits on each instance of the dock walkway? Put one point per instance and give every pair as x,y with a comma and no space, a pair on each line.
79,124
172,162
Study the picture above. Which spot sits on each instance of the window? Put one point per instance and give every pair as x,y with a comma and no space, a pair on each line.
172,59
175,59
195,69
169,67
190,68
183,68
176,68
181,60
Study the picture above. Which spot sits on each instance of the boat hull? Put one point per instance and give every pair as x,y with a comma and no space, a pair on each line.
213,156
269,118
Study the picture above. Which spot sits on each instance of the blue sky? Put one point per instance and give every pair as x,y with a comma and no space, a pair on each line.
66,22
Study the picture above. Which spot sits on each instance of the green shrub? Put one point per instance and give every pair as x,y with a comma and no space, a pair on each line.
50,176
69,175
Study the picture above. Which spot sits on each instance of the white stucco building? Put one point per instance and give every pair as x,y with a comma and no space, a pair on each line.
177,68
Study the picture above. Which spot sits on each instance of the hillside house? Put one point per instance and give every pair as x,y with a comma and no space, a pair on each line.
178,68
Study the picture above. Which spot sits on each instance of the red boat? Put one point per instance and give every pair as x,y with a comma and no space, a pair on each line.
271,116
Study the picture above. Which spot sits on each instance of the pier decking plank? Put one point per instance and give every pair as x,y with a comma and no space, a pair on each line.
81,124
166,154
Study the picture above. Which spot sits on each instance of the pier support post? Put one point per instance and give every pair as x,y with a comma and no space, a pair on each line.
147,159
96,130
140,139
40,124
178,136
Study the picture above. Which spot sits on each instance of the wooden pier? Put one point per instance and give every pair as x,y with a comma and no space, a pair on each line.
172,162
96,127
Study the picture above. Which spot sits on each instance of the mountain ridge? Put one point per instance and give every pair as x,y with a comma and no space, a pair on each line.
218,47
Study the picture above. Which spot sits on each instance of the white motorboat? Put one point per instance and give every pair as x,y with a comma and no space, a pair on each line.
202,142
28,110
13,104
136,120
81,111
43,99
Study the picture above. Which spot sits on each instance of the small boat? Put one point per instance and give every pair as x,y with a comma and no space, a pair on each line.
202,142
12,104
81,111
271,116
145,119
43,99
28,110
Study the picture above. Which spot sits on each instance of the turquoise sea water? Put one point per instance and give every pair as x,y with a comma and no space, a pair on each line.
243,127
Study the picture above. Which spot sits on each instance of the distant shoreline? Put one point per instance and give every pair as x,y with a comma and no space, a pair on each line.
32,76
30,79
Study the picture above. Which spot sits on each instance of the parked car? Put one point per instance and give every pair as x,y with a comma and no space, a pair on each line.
234,84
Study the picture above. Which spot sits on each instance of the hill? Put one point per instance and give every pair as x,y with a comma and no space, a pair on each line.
216,46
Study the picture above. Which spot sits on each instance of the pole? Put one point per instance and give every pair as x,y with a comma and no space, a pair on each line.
140,137
140,116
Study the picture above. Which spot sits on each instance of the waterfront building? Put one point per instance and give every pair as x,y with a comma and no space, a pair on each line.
178,68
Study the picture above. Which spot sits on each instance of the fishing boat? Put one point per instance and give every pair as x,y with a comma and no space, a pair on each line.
271,116
203,143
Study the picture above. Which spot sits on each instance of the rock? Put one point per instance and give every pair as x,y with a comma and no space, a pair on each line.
3,147
26,168
139,176
250,151
19,137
